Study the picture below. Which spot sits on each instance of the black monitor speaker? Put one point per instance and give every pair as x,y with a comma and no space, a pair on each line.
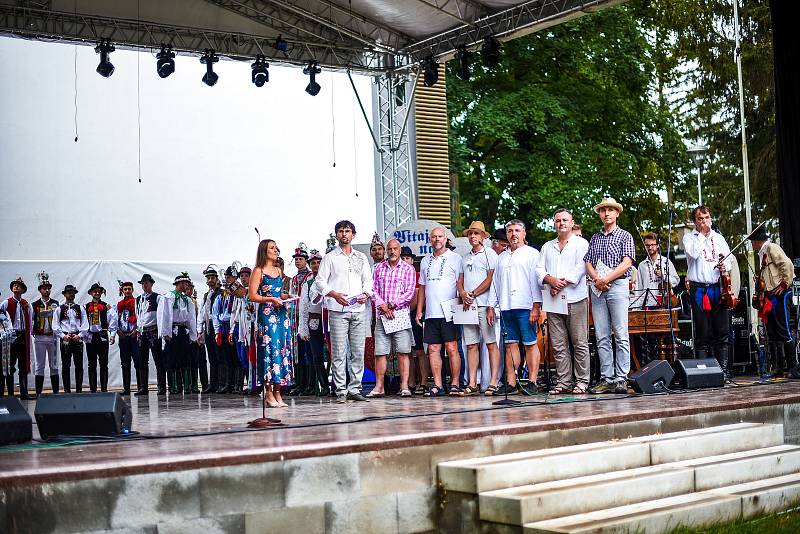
698,373
654,377
16,425
82,414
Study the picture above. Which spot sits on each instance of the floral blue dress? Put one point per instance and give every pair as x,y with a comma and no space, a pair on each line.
274,335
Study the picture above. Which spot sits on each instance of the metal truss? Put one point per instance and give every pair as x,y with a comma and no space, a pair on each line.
394,181
519,19
69,27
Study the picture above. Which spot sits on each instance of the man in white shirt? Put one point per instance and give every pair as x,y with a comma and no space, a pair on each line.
70,326
310,326
149,341
438,277
520,298
20,313
562,273
704,247
655,273
345,279
475,285
177,325
44,340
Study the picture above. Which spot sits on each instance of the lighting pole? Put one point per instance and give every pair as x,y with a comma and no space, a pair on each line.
698,154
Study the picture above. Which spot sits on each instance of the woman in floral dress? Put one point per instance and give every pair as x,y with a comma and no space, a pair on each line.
274,325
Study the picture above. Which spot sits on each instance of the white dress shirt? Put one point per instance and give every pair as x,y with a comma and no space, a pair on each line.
702,255
172,310
111,316
517,284
144,317
18,321
72,324
648,279
567,264
349,274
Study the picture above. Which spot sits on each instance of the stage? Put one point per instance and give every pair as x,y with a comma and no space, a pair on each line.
193,462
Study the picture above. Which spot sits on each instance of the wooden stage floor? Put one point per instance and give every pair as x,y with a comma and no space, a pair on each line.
176,433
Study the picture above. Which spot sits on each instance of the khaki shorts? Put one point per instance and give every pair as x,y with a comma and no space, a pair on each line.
402,340
474,332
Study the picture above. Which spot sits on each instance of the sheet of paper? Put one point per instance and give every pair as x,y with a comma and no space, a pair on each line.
465,317
602,270
557,304
353,305
401,321
447,308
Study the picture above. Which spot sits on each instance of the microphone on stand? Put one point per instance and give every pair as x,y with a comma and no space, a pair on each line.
257,233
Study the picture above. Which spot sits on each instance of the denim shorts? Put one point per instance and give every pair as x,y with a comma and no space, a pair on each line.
517,327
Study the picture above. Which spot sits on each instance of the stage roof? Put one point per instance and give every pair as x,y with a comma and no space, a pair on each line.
368,36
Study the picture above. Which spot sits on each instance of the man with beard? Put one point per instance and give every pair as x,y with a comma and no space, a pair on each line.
149,342
345,279
125,327
20,313
177,326
70,327
100,316
44,339
205,335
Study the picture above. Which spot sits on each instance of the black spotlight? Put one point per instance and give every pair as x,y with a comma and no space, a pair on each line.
260,72
165,61
430,70
312,70
490,52
281,45
209,58
104,47
464,58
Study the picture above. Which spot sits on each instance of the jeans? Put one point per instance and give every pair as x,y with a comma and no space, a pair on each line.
610,314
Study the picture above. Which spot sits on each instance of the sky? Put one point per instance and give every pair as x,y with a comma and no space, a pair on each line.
216,162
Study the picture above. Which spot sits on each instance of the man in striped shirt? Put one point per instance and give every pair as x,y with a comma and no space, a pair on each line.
394,283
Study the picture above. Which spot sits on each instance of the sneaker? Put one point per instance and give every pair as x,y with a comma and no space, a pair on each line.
621,388
341,399
604,387
356,397
527,388
505,389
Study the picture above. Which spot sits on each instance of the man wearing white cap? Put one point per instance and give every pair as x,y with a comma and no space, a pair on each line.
608,264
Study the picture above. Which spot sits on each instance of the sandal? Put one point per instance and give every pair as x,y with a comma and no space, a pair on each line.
434,391
405,393
419,390
456,391
560,390
375,395
579,389
470,391
490,390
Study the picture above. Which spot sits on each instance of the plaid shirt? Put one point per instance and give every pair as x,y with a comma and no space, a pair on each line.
395,285
611,249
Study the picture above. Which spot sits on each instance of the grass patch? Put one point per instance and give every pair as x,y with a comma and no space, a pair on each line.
782,523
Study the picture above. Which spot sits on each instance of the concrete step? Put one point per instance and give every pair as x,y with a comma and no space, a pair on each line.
765,496
537,502
692,510
508,470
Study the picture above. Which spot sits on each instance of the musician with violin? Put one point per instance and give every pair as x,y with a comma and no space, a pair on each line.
772,299
707,254
657,275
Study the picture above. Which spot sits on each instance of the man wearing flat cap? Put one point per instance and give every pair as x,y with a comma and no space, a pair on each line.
608,263
777,273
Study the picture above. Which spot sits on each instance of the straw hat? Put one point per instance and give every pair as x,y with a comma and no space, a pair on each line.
477,226
608,202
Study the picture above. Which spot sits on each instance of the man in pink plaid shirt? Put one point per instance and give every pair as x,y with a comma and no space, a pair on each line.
394,282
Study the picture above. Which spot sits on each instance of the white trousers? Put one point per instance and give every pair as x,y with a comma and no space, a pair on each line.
45,349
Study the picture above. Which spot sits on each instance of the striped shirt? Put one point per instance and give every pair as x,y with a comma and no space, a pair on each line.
611,248
394,284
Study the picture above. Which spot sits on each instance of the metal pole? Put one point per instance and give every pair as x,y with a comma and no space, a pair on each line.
745,163
699,188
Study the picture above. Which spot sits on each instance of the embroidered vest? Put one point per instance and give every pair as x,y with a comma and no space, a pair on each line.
43,315
65,307
97,313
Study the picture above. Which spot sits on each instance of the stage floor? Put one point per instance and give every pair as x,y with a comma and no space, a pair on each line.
197,431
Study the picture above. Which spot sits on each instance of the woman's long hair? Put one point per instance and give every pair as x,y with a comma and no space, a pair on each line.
261,253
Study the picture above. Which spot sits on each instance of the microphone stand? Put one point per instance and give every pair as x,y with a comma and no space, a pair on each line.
505,401
665,282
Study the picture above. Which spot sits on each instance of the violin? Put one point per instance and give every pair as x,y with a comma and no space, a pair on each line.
728,299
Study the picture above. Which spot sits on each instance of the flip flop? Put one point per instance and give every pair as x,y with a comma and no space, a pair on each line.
374,395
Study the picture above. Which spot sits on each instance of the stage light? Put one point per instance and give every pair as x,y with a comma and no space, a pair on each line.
312,70
281,45
490,52
260,72
104,47
430,70
209,58
464,58
165,61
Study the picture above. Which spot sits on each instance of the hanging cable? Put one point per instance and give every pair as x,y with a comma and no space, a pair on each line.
138,96
75,61
355,146
333,124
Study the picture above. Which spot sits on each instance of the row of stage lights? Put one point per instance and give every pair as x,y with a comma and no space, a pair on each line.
165,64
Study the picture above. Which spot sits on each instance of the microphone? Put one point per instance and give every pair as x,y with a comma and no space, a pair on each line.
257,232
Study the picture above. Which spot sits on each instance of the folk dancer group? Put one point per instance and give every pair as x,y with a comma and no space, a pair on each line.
261,329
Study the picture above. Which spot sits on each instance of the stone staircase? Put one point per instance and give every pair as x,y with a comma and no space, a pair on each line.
647,484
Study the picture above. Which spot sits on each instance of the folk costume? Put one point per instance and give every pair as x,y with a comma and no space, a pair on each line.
304,359
20,313
102,320
242,320
177,325
71,328
195,349
125,327
7,336
44,339
311,326
205,326
226,352
149,341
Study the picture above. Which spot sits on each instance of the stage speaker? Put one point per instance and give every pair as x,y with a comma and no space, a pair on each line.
700,373
653,377
16,425
84,414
